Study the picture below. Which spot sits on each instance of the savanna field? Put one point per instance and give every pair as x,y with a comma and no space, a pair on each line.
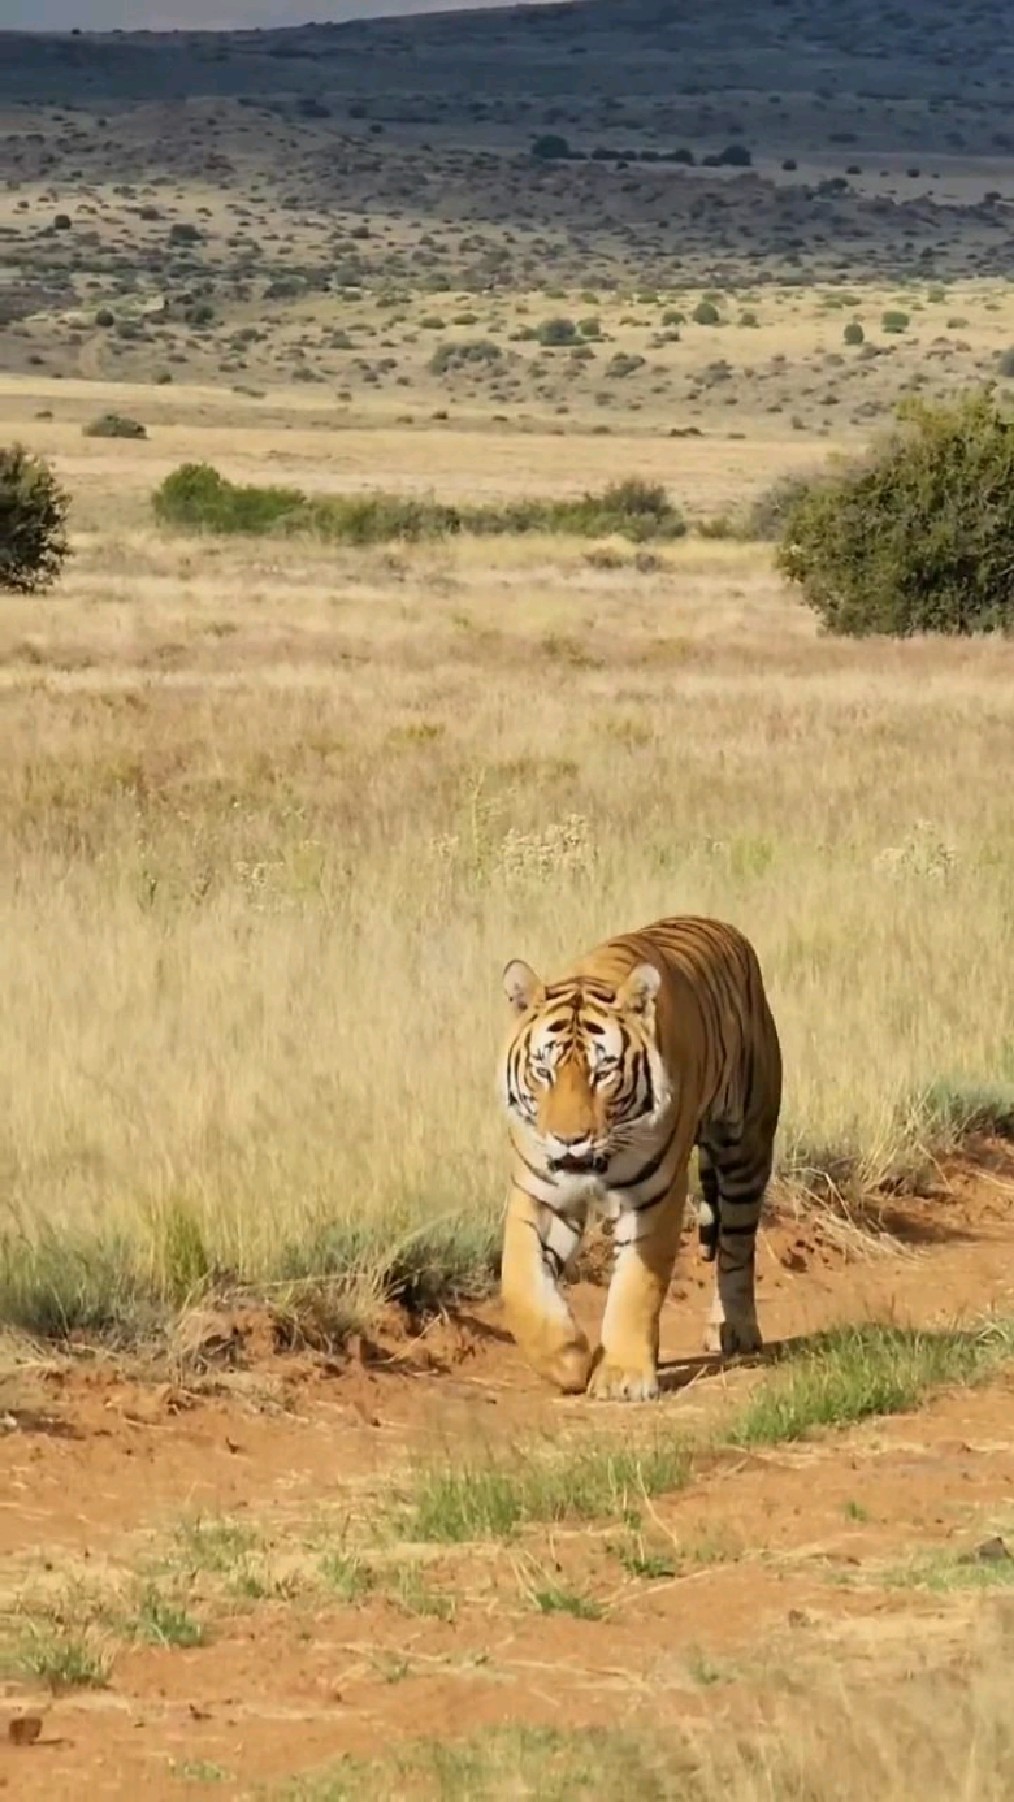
282,1513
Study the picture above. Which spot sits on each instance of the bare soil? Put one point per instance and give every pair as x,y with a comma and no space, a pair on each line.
101,1461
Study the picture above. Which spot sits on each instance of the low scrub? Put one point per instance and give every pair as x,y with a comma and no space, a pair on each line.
114,425
919,537
196,497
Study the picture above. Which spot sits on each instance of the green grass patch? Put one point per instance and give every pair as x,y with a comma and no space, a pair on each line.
943,1572
510,1762
196,497
161,1621
64,1659
842,1377
552,1599
855,1372
491,1498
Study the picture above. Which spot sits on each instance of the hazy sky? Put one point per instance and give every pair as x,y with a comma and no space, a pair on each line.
167,15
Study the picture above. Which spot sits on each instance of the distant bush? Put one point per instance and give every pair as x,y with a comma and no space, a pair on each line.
184,233
624,363
894,320
196,497
735,156
105,318
920,536
706,313
114,425
33,516
551,148
853,333
474,352
1005,362
554,332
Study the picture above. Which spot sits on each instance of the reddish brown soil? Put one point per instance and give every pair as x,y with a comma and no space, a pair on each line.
100,1464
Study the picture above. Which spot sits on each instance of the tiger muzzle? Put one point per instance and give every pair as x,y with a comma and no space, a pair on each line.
588,1165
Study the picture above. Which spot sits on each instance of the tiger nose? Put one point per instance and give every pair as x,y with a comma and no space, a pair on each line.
572,1140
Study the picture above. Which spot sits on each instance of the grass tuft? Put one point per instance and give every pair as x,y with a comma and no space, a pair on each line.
857,1371
491,1499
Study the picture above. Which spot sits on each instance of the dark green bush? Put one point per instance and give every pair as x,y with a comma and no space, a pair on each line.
554,332
33,516
706,313
550,147
197,498
853,333
894,320
920,536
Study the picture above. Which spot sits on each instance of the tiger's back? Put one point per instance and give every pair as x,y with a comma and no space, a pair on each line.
693,1058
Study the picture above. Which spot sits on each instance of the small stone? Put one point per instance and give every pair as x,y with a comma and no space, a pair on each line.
991,1551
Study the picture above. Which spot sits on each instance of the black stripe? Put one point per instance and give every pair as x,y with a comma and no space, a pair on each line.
654,1164
542,1176
645,1207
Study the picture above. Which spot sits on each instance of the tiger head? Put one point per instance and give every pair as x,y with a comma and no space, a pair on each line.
582,1073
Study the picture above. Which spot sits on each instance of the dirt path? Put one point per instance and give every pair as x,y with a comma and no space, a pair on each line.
103,1475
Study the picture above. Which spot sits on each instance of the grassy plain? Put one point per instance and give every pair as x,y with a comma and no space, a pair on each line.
275,815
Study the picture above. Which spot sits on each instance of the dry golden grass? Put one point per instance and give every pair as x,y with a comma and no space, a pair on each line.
274,817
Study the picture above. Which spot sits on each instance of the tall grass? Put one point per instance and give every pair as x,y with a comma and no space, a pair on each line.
253,915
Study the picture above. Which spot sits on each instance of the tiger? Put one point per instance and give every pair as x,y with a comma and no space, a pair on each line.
653,1043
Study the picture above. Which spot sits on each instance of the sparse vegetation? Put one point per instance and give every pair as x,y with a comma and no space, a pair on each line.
197,498
860,1371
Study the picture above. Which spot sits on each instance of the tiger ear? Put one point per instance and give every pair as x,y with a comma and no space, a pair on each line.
521,985
637,994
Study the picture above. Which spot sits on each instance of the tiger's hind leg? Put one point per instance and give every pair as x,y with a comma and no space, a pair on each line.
742,1173
538,1246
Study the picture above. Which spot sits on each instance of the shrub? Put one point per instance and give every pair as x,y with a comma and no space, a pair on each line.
114,425
184,233
769,511
920,536
853,333
734,156
706,313
894,320
551,148
33,514
196,497
1005,362
553,332
473,352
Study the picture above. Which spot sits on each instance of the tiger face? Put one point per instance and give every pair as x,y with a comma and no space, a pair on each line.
582,1073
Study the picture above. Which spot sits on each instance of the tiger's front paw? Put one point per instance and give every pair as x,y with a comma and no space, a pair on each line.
568,1368
613,1383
